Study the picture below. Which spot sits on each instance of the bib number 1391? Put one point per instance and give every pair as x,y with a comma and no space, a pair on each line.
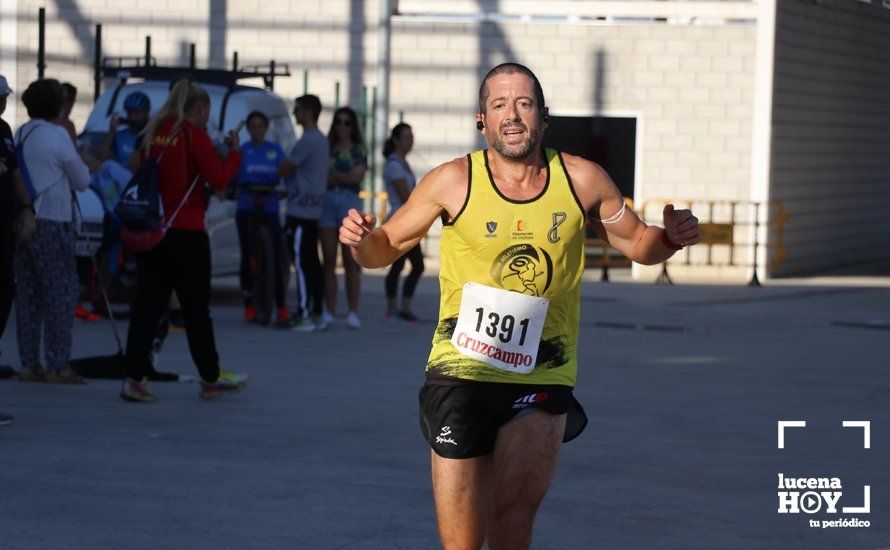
499,326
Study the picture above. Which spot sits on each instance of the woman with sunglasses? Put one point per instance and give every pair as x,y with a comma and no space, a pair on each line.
347,167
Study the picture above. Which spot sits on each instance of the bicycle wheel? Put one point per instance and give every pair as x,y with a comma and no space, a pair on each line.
264,275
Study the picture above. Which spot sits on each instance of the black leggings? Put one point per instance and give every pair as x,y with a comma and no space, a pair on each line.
392,278
180,262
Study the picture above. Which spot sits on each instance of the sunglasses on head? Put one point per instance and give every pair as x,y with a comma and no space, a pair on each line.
343,122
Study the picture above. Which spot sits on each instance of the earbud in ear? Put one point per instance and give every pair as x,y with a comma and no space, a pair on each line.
480,125
546,118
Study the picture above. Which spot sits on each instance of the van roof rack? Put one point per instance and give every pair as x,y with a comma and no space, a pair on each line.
123,68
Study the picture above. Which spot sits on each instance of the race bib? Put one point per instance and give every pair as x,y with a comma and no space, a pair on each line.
500,327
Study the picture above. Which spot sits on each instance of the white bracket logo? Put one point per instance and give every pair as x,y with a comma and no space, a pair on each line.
866,430
788,424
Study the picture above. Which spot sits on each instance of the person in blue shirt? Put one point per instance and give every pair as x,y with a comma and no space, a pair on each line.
119,143
257,195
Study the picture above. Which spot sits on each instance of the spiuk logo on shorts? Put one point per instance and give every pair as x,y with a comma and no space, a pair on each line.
530,399
523,268
443,436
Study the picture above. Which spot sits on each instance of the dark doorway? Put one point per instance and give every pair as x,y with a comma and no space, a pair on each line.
607,141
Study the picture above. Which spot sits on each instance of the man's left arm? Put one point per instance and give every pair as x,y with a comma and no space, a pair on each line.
619,226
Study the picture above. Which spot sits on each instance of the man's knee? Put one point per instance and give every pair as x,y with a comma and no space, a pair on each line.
511,526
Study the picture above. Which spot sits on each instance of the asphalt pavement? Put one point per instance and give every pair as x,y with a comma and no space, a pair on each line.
683,385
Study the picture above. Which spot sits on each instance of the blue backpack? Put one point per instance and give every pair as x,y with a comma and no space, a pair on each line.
139,207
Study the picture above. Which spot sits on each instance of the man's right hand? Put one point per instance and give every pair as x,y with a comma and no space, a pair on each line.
356,226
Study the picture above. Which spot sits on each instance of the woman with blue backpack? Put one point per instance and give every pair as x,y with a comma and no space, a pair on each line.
175,139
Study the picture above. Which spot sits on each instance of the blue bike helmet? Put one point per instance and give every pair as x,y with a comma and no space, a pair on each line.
137,101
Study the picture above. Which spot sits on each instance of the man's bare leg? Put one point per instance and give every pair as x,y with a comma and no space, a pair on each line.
462,489
525,456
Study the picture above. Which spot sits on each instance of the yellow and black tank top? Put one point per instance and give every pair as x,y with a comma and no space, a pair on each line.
533,246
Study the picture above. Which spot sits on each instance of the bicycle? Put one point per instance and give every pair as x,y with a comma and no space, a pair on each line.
268,266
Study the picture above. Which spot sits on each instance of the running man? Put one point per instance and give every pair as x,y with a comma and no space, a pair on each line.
497,402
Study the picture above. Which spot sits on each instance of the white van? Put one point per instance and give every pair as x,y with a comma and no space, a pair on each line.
229,105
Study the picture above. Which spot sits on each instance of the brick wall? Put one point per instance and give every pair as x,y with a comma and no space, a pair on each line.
691,87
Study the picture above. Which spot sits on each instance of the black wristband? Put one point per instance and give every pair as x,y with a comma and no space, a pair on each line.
28,206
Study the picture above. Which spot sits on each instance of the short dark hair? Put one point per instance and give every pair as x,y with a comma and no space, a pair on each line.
511,68
310,102
70,91
257,114
43,99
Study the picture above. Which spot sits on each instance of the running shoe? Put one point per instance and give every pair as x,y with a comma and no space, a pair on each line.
284,320
228,382
250,314
6,419
137,392
85,315
32,374
408,316
325,321
303,324
65,376
352,321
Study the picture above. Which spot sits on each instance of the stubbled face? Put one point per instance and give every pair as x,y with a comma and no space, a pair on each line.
514,126
257,129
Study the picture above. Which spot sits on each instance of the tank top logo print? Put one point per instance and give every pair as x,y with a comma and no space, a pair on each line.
523,268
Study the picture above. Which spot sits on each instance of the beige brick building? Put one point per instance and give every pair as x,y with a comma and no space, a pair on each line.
728,102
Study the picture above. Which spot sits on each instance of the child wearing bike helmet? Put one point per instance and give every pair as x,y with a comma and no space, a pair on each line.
120,142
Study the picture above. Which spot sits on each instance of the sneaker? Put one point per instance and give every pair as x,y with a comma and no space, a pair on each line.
137,392
6,371
32,374
250,314
390,316
408,316
6,419
284,320
82,313
303,325
228,382
352,321
66,376
325,321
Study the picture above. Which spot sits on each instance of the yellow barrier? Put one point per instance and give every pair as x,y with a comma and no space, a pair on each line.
731,227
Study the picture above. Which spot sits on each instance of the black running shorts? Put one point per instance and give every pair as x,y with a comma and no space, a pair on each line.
462,421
